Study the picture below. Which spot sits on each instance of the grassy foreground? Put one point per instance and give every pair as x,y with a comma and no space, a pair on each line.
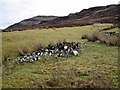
97,66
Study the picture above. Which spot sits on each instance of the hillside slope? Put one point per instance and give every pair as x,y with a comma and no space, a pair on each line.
101,14
30,23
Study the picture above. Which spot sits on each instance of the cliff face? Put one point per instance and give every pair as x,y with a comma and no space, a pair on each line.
102,14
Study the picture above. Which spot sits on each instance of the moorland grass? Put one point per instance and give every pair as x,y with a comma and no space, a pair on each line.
95,67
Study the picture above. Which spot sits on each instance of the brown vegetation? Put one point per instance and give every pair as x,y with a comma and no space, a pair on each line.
105,39
23,50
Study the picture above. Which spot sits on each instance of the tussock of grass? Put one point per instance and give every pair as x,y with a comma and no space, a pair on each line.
38,46
22,51
84,36
97,36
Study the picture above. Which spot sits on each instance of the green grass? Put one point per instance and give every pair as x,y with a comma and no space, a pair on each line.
95,67
14,40
112,30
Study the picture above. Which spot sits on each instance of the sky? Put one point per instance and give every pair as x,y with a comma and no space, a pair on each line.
13,11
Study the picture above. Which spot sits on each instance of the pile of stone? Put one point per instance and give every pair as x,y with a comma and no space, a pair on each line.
58,50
